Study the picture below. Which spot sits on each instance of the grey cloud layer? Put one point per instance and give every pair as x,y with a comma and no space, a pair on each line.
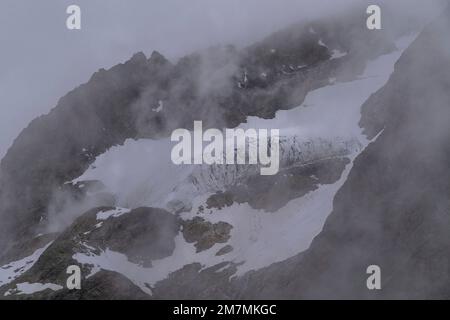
41,60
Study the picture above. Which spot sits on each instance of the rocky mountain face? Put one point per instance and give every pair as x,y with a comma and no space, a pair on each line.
393,210
220,86
189,242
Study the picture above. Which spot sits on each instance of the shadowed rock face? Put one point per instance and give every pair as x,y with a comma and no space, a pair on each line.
59,146
143,235
104,285
393,211
271,193
205,234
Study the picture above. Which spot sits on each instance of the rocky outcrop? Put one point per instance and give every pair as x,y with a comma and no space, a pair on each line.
392,211
205,234
142,235
271,193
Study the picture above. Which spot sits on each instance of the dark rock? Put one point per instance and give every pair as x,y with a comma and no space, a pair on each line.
219,200
393,211
104,285
178,206
204,233
143,235
224,250
117,104
274,192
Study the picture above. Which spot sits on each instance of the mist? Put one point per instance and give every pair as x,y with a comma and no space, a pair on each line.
41,60
43,192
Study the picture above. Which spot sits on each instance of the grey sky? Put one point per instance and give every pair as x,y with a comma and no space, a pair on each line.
40,60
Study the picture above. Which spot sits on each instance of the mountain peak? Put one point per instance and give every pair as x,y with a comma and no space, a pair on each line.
138,57
157,58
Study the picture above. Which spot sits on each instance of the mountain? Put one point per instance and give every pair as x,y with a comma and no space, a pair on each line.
393,210
363,174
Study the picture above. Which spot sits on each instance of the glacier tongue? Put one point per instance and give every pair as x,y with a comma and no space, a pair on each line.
140,173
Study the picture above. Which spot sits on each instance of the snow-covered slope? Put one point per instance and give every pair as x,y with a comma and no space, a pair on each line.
14,269
140,173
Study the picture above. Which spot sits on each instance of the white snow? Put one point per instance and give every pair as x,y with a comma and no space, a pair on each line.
30,288
259,239
141,173
117,212
336,54
334,110
13,270
146,278
159,107
98,225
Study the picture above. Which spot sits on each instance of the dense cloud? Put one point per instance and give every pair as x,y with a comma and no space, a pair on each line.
41,60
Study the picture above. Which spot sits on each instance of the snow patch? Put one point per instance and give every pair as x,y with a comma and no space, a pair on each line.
13,270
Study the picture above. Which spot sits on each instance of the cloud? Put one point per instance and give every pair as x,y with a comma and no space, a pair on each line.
41,60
